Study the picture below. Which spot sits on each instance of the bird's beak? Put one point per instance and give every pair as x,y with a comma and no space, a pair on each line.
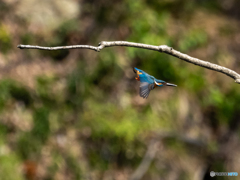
134,70
169,84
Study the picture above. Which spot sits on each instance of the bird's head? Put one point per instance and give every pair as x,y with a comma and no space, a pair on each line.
137,71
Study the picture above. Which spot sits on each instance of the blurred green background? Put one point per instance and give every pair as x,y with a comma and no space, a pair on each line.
78,115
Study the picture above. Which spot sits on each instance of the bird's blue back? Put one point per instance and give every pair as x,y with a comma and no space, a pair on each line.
144,77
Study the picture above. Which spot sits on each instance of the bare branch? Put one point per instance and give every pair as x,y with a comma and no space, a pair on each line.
161,48
58,47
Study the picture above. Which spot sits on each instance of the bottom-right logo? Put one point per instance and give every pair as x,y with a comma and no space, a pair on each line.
212,174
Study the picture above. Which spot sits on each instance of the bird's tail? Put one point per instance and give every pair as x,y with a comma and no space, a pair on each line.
169,84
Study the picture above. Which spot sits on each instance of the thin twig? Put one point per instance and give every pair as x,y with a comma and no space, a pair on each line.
153,147
161,48
182,138
146,161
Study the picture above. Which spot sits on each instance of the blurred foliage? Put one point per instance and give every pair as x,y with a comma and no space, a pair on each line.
77,114
9,163
193,39
5,39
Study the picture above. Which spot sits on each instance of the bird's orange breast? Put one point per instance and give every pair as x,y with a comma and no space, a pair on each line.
137,78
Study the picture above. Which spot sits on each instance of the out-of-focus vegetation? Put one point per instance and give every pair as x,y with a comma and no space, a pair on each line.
78,115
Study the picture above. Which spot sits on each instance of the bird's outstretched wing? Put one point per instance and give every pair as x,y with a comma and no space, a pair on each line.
145,89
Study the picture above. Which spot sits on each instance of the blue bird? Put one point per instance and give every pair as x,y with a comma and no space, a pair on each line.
148,83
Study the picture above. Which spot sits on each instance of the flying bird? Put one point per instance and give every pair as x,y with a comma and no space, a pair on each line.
148,83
